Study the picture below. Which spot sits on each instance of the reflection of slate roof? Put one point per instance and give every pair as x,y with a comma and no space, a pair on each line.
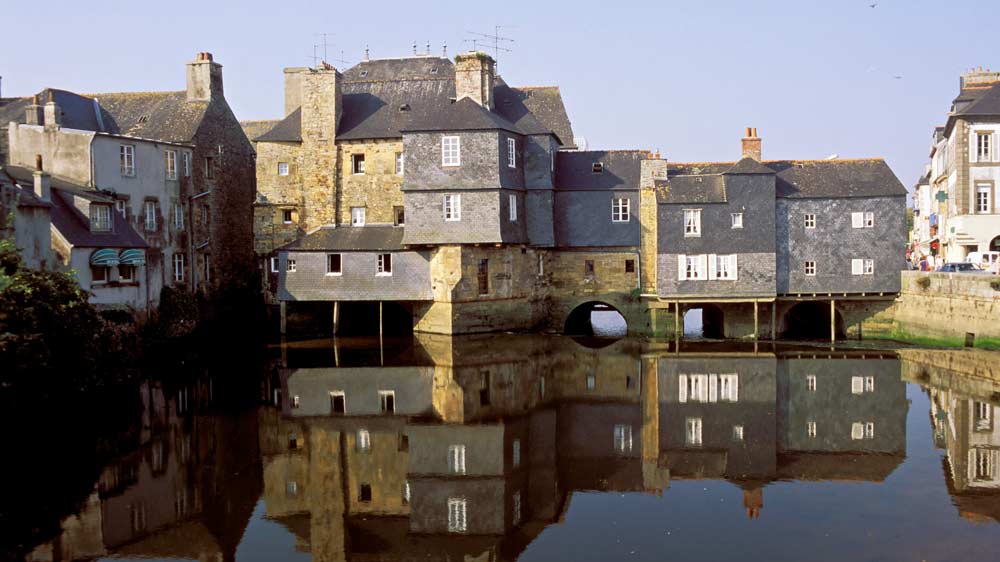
348,238
75,227
692,189
796,179
622,168
837,466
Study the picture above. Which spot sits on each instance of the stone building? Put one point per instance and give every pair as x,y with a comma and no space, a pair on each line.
176,161
958,207
25,217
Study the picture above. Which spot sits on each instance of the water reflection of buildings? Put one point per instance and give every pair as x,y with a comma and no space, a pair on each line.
475,452
964,388
186,488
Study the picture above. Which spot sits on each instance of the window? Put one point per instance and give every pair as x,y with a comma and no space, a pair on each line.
863,220
483,276
296,402
811,383
121,206
737,220
364,439
862,267
623,439
869,219
811,429
406,492
206,267
291,488
365,493
591,382
282,168
126,157
809,268
274,265
629,266
452,207
810,220
451,151
861,385
597,167
357,216
209,167
983,463
737,433
725,267
384,266
98,274
516,517
403,443
984,147
100,218
692,267
178,216
588,267
126,273
137,517
984,198
869,384
387,401
983,420
399,163
398,216
333,262
511,153
205,213
149,210
287,216
293,441
692,222
358,164
512,207
620,209
456,459
862,430
541,265
170,164
180,264
869,267
693,434
338,402
516,453
186,161
729,388
456,515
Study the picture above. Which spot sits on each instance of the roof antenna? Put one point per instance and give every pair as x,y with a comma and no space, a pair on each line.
496,39
444,50
414,47
428,48
366,52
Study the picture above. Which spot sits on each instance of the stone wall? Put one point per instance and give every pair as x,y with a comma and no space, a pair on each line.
358,281
951,306
275,194
379,189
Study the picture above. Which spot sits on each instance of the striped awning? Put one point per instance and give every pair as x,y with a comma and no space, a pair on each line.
133,256
104,256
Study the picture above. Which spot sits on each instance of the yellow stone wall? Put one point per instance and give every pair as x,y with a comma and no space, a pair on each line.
379,189
384,467
568,277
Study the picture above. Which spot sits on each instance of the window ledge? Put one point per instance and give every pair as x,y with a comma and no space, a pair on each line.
383,275
329,274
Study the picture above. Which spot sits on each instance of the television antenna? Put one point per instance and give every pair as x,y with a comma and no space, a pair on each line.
500,43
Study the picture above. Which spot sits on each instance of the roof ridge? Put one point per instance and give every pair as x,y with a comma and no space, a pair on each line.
407,57
535,87
161,92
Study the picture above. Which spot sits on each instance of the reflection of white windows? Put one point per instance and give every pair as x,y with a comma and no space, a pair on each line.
811,383
709,388
623,438
729,388
456,459
406,492
456,515
983,420
692,222
870,430
387,401
737,220
517,508
357,216
983,464
453,207
291,488
591,382
811,429
737,433
364,440
516,453
869,384
693,434
620,209
296,401
861,430
860,385
451,151
137,516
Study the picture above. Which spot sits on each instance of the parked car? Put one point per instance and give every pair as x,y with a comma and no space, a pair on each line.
990,261
960,267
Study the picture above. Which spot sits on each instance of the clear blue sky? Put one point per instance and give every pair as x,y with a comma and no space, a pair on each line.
815,78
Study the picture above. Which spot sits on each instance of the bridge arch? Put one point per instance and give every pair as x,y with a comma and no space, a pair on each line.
595,318
995,244
704,321
810,320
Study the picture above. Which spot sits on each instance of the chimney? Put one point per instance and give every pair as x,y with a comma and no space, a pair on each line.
321,104
978,78
293,88
43,182
53,114
33,113
474,76
751,144
204,78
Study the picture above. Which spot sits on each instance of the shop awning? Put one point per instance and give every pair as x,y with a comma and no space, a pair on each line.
105,257
133,256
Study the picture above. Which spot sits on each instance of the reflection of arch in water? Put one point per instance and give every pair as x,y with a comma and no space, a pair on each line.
705,321
810,320
596,318
361,318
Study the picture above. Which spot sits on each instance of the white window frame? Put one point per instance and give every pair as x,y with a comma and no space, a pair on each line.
737,433
178,216
869,267
180,266
623,438
170,164
723,267
811,383
100,218
451,151
289,265
400,163
274,264
383,396
126,160
729,388
857,266
809,268
984,205
984,147
341,264
149,214
456,459
358,164
186,162
692,223
457,520
692,268
452,207
383,266
811,429
810,220
693,432
869,219
621,209
511,153
512,207
282,168
338,394
541,265
290,213
737,220
358,216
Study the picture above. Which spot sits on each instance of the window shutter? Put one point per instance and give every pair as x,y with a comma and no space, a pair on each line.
713,388
734,388
681,266
703,388
857,267
733,267
712,266
857,385
857,220
682,388
703,261
972,464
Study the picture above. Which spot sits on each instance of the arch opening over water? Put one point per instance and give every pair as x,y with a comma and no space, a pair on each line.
811,321
595,318
704,321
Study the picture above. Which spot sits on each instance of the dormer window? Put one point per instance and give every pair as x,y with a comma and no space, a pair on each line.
404,107
364,73
100,218
598,167
434,70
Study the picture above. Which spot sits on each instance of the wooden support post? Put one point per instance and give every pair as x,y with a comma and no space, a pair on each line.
833,321
380,351
774,320
336,316
283,307
756,321
677,319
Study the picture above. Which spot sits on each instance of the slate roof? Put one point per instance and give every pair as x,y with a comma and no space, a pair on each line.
75,227
692,189
622,169
23,191
350,238
288,129
25,176
982,102
796,179
749,166
536,110
462,115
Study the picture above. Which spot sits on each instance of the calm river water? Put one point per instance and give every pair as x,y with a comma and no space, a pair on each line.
531,448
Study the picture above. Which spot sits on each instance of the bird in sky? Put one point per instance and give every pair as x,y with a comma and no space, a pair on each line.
873,5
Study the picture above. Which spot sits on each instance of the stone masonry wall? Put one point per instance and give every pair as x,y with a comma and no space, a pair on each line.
952,305
379,189
321,109
275,194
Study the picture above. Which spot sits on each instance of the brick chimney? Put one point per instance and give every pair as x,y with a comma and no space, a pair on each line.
475,74
204,78
978,78
33,113
751,144
43,181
